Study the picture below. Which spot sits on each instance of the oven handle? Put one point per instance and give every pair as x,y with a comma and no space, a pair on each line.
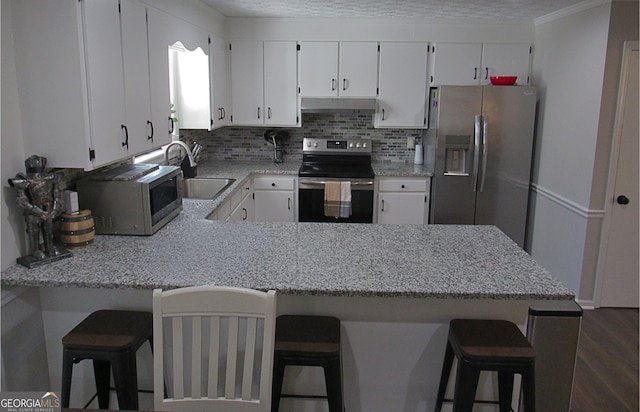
320,183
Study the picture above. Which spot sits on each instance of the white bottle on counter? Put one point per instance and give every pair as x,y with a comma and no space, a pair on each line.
419,157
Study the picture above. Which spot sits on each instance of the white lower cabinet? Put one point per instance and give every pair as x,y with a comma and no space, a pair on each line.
274,198
403,200
242,203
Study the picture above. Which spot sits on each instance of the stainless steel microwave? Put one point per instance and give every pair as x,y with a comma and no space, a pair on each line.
132,199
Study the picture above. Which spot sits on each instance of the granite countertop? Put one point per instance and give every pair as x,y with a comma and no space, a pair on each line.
325,259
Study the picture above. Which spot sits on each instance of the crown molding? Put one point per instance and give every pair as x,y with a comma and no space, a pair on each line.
568,11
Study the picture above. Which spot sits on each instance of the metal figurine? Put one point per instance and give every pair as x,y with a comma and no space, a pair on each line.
40,196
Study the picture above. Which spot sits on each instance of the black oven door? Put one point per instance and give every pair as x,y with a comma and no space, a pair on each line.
311,201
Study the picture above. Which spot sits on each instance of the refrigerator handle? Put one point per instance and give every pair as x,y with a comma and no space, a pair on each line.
485,149
476,150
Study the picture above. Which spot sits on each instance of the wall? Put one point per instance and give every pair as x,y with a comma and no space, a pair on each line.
576,67
12,152
374,29
248,143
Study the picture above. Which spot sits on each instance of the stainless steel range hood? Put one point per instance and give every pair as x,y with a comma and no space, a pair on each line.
341,105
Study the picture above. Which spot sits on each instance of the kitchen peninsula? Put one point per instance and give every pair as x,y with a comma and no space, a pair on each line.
394,286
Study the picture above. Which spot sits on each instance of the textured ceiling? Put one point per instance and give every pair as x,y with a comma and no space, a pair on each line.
456,9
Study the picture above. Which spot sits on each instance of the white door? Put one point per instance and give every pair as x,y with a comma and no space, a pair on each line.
358,64
218,64
619,270
457,64
401,208
133,18
273,206
247,83
105,80
281,83
319,69
506,59
159,76
403,82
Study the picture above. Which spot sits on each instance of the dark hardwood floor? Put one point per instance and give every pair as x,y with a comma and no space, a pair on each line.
606,376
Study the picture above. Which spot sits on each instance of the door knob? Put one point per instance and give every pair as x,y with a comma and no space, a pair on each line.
622,200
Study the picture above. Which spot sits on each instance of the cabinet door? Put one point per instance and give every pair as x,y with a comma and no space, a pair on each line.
133,18
244,211
512,59
218,64
358,64
247,83
401,208
457,64
105,80
273,206
281,83
157,24
318,69
403,85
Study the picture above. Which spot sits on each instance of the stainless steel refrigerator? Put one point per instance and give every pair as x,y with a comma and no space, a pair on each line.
482,139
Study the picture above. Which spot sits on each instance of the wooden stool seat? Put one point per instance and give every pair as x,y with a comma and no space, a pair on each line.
111,339
492,345
308,341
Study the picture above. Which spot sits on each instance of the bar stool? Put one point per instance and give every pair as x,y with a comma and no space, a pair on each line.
111,339
308,341
492,345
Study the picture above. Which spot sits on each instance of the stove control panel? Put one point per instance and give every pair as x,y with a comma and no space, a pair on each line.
337,146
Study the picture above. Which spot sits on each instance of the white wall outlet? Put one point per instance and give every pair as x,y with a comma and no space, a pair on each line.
411,142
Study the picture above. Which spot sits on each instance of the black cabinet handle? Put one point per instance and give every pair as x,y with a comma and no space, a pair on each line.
486,73
150,137
333,85
258,112
402,186
382,209
622,200
170,125
126,136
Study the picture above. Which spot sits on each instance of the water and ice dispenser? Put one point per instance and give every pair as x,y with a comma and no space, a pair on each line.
457,155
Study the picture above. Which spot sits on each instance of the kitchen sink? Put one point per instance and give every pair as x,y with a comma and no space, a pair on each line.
205,187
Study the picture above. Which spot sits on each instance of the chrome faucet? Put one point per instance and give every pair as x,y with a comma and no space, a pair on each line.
192,160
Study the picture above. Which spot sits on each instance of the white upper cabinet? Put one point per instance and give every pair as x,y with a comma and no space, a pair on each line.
264,83
247,83
475,63
218,66
457,64
140,127
402,85
105,80
511,59
281,83
94,105
331,69
157,23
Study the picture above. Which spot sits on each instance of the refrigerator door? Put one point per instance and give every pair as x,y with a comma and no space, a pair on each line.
508,115
454,111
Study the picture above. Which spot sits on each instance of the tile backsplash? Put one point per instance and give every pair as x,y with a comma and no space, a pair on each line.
248,143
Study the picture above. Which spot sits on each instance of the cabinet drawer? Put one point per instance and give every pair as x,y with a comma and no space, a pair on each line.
403,185
273,183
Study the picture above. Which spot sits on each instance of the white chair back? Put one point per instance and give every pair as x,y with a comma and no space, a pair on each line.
213,348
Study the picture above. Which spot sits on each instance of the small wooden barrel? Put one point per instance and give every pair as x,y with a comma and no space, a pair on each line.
77,230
